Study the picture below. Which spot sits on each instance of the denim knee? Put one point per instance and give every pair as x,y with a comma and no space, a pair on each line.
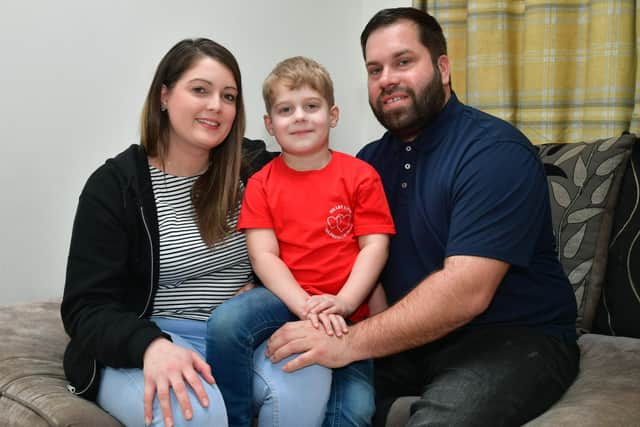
121,393
229,317
247,319
214,414
289,399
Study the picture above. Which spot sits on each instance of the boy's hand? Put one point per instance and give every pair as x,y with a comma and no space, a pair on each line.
328,304
333,324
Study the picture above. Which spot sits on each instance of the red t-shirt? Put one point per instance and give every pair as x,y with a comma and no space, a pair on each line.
317,217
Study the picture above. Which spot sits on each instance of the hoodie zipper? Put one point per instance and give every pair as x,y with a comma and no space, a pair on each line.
72,389
146,228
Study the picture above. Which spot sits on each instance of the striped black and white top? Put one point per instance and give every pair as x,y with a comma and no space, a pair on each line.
194,278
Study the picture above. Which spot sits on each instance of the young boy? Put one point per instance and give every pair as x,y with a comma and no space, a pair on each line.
317,225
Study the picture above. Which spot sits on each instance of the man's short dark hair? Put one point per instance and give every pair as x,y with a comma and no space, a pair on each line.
431,35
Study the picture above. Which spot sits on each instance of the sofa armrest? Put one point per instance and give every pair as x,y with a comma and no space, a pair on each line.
32,383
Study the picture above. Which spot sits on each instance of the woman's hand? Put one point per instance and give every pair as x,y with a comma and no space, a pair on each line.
166,366
244,289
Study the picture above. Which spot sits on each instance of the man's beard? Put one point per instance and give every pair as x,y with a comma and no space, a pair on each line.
408,121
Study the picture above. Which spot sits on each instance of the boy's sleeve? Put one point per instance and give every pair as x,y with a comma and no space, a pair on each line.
371,214
255,212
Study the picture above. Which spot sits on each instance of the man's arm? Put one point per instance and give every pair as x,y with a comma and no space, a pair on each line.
443,302
264,253
440,304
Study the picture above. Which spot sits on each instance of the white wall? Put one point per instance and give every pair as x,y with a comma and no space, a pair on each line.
73,77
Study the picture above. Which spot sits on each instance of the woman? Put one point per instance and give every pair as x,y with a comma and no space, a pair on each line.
154,250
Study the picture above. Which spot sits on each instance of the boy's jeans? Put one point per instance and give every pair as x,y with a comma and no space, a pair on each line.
242,323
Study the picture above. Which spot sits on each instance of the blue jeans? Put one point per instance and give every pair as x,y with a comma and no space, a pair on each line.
121,390
275,392
239,326
493,376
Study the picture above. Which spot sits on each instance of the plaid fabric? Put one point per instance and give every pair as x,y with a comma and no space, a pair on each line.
561,71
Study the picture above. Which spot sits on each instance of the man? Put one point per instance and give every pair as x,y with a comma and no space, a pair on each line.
482,321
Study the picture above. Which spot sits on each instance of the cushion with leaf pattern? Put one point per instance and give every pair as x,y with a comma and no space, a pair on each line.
584,181
618,313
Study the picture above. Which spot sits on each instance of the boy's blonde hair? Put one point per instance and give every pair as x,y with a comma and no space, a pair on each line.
294,73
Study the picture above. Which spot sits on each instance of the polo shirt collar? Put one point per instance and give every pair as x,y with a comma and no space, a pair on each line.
432,134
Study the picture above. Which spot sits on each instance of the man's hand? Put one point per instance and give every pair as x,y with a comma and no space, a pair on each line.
314,345
166,366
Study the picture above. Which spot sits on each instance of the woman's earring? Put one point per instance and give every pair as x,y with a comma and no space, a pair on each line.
163,107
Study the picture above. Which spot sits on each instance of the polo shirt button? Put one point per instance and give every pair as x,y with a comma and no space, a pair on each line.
404,185
407,166
407,148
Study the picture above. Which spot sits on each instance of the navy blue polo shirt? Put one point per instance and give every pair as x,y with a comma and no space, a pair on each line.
472,184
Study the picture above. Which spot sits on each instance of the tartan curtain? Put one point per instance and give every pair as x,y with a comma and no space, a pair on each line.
561,71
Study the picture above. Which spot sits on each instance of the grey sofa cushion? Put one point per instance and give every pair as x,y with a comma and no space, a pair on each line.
584,182
607,389
619,309
605,393
32,383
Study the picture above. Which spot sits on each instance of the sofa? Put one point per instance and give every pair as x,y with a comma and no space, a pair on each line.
595,197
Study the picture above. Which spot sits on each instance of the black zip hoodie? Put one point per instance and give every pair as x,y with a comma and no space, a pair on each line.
112,269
